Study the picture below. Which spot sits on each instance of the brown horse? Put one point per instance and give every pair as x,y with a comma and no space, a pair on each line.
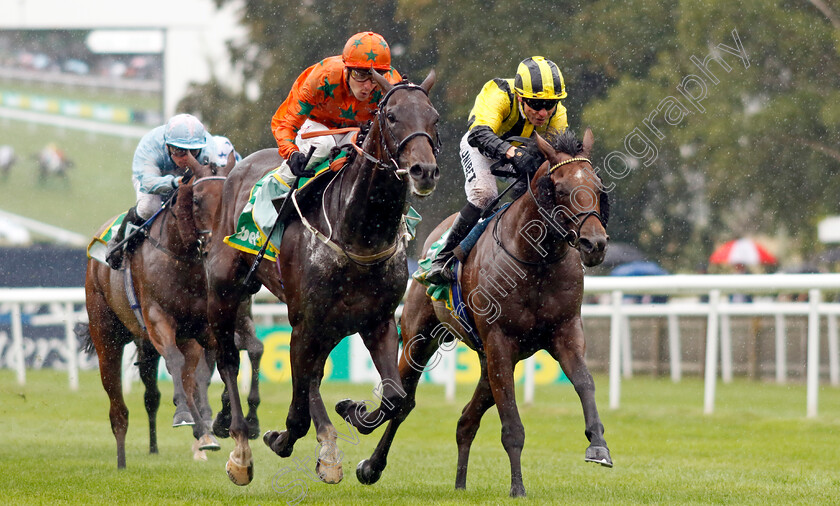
167,271
347,277
522,286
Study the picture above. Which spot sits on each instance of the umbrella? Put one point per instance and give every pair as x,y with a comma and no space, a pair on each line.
639,269
742,251
620,253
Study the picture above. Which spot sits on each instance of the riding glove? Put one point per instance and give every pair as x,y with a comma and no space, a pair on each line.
525,162
297,164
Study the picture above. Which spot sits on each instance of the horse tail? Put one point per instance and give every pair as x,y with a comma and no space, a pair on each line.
82,331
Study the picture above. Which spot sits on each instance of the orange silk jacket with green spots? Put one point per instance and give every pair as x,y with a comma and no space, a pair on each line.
322,94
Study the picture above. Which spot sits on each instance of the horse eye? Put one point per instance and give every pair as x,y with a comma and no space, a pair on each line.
391,117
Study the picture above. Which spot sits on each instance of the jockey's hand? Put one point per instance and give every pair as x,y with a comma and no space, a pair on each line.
524,162
297,164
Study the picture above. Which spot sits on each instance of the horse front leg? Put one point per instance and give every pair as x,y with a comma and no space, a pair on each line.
193,353
382,344
568,348
148,360
500,363
161,328
416,354
304,354
247,340
470,420
221,312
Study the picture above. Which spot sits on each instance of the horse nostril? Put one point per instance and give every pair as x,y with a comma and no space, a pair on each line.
585,244
437,173
415,171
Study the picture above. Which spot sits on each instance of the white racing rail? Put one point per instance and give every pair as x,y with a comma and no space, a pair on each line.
717,311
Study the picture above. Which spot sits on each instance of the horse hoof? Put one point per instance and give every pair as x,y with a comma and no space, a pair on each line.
277,442
183,420
198,454
208,442
599,455
329,472
221,426
365,473
239,474
342,407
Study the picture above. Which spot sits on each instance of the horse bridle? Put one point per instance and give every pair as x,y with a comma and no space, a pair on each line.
401,144
202,242
384,255
571,237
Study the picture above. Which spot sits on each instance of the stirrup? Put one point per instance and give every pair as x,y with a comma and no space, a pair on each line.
441,274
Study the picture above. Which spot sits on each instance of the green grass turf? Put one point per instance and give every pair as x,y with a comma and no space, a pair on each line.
757,448
96,188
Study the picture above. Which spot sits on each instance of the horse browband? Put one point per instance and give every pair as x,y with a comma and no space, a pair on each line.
570,160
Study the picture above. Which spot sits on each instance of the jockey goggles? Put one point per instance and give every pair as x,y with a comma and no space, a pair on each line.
176,151
362,75
538,104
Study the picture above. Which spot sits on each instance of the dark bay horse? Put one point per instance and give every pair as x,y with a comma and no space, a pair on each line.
168,276
348,277
523,287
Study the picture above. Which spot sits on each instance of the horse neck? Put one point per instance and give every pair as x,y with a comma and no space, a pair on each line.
180,232
520,227
367,202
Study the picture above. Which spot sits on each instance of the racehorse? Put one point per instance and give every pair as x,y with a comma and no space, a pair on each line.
341,267
167,272
522,286
7,159
52,162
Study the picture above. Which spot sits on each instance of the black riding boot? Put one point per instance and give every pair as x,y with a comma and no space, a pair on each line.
440,271
115,254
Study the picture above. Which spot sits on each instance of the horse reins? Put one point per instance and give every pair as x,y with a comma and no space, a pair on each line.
368,260
201,242
571,237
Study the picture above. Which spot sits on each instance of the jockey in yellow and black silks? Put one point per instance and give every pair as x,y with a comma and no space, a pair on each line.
503,109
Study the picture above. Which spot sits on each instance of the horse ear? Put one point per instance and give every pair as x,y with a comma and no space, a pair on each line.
545,147
383,83
588,141
429,81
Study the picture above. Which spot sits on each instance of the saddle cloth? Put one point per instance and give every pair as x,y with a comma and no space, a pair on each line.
259,214
97,249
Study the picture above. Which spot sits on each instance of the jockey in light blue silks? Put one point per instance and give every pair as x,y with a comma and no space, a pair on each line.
159,161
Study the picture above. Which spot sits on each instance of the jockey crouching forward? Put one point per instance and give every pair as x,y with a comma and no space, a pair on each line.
160,160
337,92
503,109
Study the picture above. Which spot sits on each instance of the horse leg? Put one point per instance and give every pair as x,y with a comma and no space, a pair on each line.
222,303
568,348
500,363
307,359
148,360
329,465
203,375
417,351
248,340
382,344
469,422
193,352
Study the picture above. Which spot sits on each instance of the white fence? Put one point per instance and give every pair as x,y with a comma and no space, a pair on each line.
717,310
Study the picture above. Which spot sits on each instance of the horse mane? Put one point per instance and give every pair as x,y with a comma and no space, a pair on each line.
565,142
183,209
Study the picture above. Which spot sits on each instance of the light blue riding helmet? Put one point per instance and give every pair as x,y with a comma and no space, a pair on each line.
185,131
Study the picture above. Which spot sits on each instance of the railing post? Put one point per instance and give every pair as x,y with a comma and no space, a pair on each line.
615,350
813,366
674,347
833,366
725,344
711,352
626,348
17,344
530,371
781,350
72,347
